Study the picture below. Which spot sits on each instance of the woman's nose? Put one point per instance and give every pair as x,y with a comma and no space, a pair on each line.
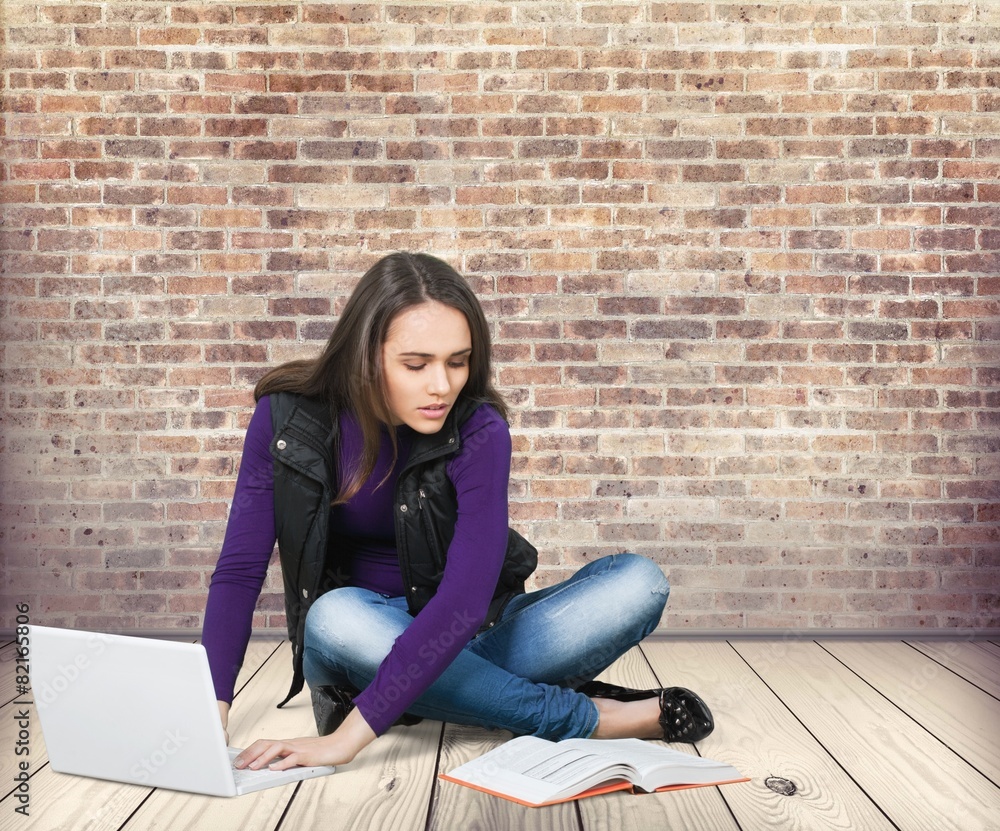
437,382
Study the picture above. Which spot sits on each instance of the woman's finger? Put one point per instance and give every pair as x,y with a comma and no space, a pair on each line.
290,761
258,754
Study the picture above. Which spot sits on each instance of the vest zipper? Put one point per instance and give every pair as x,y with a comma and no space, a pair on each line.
401,546
438,551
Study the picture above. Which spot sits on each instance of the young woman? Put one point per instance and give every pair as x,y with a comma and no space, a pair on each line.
381,468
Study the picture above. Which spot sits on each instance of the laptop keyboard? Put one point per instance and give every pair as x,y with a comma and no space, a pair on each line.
245,777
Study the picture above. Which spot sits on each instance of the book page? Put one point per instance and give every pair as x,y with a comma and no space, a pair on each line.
640,754
536,770
656,765
565,767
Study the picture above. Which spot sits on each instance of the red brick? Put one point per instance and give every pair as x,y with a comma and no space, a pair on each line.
712,173
978,263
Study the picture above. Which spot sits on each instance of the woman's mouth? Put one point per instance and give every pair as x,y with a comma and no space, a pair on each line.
434,410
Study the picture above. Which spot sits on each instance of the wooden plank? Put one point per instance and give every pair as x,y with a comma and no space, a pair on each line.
964,658
988,647
388,785
961,715
73,803
8,689
259,652
76,802
910,775
757,735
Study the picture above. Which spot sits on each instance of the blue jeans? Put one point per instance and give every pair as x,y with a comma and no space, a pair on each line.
518,675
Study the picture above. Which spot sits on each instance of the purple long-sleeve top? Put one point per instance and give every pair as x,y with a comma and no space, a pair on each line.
364,529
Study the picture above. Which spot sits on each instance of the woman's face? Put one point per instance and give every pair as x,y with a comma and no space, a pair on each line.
425,360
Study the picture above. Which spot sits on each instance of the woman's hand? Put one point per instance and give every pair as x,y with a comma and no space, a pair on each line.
339,748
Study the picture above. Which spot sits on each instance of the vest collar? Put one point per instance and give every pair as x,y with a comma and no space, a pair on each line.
445,441
424,446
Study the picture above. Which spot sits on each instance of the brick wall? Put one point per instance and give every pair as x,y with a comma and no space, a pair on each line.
741,261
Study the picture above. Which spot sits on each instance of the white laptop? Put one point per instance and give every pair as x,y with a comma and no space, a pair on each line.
137,710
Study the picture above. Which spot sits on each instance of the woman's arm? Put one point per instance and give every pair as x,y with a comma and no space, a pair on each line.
224,716
246,552
339,748
480,474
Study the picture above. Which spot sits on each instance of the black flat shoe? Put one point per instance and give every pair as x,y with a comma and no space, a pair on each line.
684,717
598,689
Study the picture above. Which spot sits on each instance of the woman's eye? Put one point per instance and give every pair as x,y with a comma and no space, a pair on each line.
452,364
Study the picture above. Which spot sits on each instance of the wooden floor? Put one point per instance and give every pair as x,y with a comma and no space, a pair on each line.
873,735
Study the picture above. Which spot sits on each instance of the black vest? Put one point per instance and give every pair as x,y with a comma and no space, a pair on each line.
304,449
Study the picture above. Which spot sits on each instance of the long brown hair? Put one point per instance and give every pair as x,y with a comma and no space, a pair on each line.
348,374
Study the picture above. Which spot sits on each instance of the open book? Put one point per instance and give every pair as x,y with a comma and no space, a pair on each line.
538,772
